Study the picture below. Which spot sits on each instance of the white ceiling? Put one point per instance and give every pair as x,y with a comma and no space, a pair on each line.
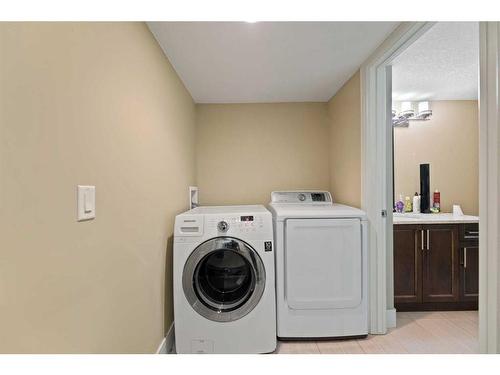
240,62
441,65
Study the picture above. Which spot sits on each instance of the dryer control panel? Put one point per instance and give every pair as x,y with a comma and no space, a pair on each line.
302,197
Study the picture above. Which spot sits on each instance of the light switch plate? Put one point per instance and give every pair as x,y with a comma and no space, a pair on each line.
86,202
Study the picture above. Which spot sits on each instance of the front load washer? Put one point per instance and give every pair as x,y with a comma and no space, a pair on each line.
223,273
321,266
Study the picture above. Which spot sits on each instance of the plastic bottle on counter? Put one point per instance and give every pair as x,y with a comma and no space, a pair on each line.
400,204
408,205
437,201
416,203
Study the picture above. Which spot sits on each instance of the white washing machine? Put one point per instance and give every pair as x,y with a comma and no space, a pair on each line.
224,292
321,266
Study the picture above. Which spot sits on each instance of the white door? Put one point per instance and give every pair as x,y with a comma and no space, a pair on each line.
323,263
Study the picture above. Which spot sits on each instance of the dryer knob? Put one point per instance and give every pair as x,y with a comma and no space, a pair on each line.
223,226
302,197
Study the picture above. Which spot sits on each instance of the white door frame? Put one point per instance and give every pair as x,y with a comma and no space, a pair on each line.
489,187
376,136
376,146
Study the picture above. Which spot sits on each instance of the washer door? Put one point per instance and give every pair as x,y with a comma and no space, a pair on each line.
223,279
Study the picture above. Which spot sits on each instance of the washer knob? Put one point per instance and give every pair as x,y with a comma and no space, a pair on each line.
223,226
302,197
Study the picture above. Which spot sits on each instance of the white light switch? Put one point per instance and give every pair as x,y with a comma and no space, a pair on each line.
86,202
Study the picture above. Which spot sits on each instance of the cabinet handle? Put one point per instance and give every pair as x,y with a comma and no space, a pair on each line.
428,247
465,257
422,240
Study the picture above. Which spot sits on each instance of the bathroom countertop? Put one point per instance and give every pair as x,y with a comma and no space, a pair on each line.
441,218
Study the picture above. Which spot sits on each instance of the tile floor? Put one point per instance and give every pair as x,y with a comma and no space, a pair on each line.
430,332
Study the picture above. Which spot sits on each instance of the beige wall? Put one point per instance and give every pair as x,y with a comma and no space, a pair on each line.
245,151
450,143
92,103
345,143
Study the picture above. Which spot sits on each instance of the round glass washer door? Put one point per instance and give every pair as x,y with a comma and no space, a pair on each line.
223,279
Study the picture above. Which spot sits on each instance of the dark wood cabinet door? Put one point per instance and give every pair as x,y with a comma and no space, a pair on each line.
407,264
440,272
469,273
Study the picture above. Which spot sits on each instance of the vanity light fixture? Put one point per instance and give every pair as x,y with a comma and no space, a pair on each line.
407,109
424,111
407,113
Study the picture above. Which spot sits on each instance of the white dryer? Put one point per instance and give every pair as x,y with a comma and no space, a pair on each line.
321,266
224,292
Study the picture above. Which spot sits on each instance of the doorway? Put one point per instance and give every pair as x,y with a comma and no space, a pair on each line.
377,193
435,186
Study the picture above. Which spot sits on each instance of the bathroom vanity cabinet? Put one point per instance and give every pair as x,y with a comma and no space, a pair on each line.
435,266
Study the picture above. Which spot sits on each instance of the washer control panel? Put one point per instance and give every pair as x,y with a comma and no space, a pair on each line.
236,224
247,222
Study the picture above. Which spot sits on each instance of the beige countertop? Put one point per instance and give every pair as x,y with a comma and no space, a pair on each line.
441,218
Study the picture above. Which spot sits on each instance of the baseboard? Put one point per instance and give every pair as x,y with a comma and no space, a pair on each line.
167,345
390,316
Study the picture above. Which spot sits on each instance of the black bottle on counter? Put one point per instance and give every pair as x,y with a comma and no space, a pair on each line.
425,199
